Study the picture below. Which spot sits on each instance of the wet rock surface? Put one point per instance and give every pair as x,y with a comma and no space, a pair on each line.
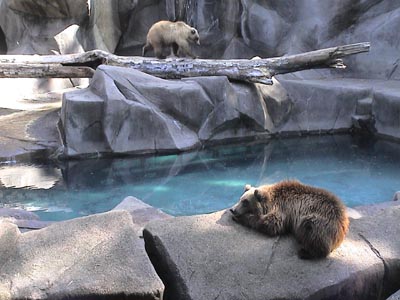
212,257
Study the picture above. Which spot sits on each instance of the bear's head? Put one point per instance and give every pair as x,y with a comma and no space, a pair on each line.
194,36
252,201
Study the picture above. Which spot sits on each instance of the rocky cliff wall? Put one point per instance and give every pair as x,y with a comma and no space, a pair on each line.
228,29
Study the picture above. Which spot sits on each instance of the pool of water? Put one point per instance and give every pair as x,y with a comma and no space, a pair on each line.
359,171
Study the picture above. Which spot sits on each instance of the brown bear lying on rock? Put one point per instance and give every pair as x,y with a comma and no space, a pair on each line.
316,217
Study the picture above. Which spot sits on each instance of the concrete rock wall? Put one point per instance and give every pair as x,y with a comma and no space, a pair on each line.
126,111
242,29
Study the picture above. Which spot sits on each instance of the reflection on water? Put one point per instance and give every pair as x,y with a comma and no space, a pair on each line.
28,176
358,171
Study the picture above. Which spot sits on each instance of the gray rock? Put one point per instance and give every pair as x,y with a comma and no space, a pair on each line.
132,112
141,212
97,256
395,296
331,104
396,196
18,214
55,9
321,105
380,232
126,111
374,209
212,257
385,108
25,220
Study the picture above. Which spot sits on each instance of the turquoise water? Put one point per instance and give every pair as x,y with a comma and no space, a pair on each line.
358,171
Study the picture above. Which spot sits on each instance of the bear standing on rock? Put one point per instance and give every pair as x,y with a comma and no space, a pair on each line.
316,217
166,34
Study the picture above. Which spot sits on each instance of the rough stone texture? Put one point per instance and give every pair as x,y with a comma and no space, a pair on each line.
126,111
132,112
374,209
332,104
212,257
23,219
395,296
141,212
93,257
28,128
380,232
274,28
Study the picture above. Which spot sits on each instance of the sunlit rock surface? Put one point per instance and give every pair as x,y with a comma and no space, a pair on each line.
211,257
141,212
100,256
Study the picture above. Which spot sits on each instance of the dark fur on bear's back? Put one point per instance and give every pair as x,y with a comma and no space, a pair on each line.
316,217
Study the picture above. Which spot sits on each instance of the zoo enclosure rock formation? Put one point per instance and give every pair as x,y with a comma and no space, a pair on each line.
228,29
247,28
232,29
132,112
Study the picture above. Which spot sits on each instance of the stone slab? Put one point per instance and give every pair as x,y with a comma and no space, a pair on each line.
99,256
141,212
212,257
381,231
374,209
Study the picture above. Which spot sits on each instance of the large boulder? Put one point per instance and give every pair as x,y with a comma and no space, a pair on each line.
127,111
211,257
99,256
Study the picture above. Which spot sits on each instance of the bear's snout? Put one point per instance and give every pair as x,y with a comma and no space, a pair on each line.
233,212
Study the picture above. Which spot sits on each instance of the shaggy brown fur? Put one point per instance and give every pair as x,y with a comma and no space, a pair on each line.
316,217
165,34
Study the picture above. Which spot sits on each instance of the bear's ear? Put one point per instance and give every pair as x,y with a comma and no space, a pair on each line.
247,187
258,195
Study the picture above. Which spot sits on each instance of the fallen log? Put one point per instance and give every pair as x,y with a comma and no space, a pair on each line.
38,70
255,70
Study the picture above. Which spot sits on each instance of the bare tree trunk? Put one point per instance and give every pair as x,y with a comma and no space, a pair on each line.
254,70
